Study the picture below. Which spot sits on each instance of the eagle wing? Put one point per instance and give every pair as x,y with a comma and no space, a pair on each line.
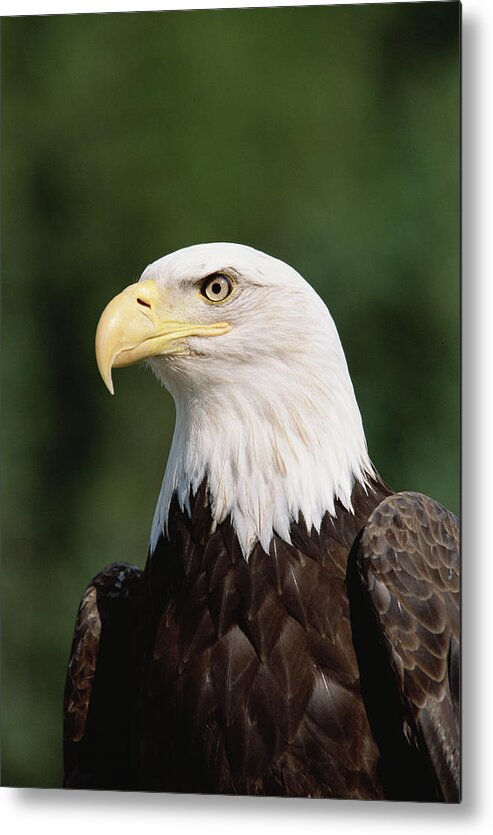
101,684
403,588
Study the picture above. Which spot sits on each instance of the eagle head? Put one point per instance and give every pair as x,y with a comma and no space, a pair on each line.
265,407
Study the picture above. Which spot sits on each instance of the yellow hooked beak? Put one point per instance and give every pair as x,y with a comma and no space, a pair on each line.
135,326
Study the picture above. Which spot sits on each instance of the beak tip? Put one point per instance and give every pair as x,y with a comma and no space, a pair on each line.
109,384
106,378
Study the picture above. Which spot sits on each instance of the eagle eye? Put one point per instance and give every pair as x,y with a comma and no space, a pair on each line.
217,287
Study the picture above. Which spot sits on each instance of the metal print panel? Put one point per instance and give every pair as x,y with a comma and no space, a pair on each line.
269,527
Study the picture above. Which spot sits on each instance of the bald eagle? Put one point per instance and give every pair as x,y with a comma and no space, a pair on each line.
295,631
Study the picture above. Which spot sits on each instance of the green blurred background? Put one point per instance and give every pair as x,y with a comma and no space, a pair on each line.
328,137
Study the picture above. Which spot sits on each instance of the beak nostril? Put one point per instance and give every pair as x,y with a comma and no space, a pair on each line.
143,303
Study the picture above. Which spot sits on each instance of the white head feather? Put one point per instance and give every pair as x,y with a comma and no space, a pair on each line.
267,412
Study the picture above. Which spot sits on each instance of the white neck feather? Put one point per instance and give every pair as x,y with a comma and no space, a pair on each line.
273,441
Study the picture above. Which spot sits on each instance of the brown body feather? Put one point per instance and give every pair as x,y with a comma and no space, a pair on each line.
260,677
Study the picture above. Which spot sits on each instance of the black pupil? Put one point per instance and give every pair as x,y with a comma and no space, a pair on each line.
216,287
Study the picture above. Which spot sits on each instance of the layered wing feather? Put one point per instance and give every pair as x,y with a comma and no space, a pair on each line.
101,684
403,587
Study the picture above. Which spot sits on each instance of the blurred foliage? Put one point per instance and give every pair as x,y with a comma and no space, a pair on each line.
328,137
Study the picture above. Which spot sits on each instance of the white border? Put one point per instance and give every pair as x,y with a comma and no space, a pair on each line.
37,7
58,812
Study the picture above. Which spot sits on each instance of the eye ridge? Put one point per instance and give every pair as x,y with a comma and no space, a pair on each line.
217,287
